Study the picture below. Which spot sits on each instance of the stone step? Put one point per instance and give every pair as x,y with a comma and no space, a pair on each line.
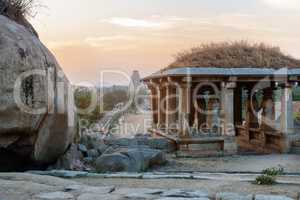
296,144
198,153
295,150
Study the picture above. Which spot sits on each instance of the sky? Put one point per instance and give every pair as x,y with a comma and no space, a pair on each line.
110,36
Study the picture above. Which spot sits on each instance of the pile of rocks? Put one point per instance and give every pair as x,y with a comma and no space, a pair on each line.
115,155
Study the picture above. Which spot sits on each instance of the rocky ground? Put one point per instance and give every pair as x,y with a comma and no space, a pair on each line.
238,163
26,186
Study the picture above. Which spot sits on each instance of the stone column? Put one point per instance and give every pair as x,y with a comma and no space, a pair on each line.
201,115
154,105
209,117
251,109
162,106
287,121
238,106
185,105
268,110
227,92
171,106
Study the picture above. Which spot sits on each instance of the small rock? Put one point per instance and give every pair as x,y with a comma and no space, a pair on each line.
112,163
88,160
125,142
93,153
102,148
71,160
271,197
82,148
90,189
109,150
55,195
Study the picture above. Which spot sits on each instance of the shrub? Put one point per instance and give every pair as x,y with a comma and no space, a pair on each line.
265,180
269,175
274,171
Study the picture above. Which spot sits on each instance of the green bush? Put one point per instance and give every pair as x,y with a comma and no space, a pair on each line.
269,175
274,171
265,180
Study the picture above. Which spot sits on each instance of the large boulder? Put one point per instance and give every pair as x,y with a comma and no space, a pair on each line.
37,120
152,142
136,159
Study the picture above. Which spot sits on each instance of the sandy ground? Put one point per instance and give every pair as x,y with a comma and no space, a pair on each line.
255,163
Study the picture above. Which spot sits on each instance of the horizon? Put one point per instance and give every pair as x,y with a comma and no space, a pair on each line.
88,38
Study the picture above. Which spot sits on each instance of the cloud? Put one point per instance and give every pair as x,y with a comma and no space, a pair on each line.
153,22
100,40
283,4
135,23
59,44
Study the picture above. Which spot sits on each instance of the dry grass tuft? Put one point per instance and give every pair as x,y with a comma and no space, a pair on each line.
19,11
17,8
234,55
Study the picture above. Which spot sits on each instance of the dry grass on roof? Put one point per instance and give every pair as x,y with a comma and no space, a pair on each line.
234,55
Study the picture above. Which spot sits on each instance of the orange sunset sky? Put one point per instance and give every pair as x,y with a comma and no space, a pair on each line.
88,36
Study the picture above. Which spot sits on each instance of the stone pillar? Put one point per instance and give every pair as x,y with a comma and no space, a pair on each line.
213,115
227,92
251,110
287,121
268,110
209,118
238,106
201,115
154,105
185,105
162,106
171,107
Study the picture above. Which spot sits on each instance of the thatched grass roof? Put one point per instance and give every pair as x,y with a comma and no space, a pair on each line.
234,55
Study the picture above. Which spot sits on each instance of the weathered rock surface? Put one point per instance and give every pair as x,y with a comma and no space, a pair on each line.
271,197
184,194
22,186
55,195
130,160
154,143
233,196
71,160
35,138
